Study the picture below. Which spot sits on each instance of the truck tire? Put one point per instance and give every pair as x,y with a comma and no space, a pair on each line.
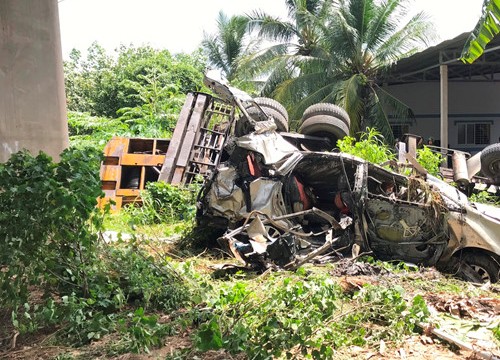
325,126
327,109
271,108
490,161
484,265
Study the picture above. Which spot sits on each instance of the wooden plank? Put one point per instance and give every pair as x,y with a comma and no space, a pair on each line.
189,138
172,154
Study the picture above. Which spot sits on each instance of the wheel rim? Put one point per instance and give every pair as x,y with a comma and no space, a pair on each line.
483,274
272,232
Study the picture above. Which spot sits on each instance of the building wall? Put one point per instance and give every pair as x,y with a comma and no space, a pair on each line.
32,99
467,102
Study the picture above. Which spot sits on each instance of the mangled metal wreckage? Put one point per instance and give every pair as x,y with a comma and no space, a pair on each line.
283,206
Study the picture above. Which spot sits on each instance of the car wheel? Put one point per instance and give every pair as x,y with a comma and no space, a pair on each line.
490,161
327,109
271,108
325,126
484,265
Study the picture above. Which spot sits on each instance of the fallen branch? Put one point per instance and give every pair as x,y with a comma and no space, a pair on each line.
461,344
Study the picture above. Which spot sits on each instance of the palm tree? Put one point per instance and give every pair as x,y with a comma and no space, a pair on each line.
485,30
226,46
293,38
338,51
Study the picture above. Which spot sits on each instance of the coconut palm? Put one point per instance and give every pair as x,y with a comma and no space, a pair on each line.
224,48
293,38
350,43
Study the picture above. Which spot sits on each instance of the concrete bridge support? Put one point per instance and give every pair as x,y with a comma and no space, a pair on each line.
32,98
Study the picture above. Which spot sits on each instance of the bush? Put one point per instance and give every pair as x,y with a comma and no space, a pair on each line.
91,131
370,147
46,210
165,203
430,160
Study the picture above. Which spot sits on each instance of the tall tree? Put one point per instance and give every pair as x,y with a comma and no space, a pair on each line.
485,30
227,45
334,51
292,38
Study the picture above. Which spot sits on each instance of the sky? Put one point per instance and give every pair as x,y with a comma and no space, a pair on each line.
178,25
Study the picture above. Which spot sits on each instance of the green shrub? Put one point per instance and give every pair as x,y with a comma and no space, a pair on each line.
92,131
46,213
165,203
430,160
370,147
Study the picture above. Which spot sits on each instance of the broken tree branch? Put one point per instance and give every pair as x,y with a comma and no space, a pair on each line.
461,344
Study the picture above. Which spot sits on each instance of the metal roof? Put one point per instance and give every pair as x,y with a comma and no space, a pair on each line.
424,66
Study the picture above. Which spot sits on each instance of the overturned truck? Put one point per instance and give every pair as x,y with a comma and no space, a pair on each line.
283,201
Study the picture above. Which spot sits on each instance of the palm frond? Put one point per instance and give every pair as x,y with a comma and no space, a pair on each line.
395,108
381,25
377,117
350,97
269,27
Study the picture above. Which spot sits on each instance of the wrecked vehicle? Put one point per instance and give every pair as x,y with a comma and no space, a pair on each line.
283,205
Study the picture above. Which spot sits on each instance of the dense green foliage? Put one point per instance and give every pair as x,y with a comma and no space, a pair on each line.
92,131
138,93
304,315
102,85
55,269
45,210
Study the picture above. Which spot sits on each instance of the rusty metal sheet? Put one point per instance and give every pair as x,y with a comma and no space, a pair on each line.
116,146
142,159
110,172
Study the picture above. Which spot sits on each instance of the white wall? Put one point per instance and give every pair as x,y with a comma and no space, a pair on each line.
467,101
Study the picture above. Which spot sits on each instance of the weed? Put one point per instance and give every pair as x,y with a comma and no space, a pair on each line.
370,147
485,197
164,203
141,331
430,160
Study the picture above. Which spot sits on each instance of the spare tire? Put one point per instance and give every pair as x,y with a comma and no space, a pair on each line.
325,126
490,162
327,109
271,108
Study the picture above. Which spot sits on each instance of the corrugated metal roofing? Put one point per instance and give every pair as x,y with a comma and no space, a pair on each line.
424,66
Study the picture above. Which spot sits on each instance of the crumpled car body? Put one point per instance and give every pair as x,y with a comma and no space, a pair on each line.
282,206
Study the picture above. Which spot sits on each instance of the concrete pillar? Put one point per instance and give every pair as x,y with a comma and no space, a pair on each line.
443,70
32,98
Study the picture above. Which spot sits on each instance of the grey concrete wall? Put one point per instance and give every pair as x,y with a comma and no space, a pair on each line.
32,98
467,101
